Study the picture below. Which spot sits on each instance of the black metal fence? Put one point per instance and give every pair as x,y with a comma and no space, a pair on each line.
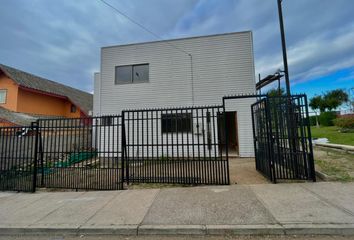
170,145
80,153
282,138
262,138
17,158
175,145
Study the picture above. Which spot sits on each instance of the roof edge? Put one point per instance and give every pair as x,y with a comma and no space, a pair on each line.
177,39
37,76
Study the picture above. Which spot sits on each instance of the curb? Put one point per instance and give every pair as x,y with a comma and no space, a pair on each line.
133,230
245,230
346,148
322,175
172,230
319,229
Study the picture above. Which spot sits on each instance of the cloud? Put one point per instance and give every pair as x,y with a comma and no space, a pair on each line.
319,41
62,40
314,56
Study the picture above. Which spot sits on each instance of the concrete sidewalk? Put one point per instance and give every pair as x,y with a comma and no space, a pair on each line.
302,208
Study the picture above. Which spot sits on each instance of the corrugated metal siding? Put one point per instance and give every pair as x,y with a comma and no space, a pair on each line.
222,65
96,95
145,130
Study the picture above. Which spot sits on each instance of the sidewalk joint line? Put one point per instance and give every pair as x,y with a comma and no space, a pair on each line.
149,208
104,205
328,201
266,207
60,206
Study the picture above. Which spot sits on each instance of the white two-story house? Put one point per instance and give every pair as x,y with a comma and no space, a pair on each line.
194,71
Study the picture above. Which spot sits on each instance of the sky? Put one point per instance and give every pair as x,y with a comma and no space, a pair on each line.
61,39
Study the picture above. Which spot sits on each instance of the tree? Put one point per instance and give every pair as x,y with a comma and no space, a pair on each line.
333,99
328,101
316,103
275,92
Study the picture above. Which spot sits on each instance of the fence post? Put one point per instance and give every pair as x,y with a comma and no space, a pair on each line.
40,152
123,150
253,111
311,158
226,132
41,155
270,140
34,180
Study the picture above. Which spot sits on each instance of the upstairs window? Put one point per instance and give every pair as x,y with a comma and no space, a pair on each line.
124,74
3,93
132,74
73,108
176,123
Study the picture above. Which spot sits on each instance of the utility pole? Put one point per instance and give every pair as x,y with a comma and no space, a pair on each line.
283,43
292,133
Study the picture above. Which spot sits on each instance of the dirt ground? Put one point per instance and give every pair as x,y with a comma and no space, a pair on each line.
243,171
336,164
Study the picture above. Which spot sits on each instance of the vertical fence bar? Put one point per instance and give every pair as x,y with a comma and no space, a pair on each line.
34,183
227,177
310,154
124,163
171,150
270,142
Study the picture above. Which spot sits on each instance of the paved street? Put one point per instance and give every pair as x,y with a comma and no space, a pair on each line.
301,208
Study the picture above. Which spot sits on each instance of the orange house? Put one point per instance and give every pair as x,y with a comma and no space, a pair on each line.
25,95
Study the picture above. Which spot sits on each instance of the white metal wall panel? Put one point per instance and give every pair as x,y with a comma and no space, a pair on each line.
222,65
96,95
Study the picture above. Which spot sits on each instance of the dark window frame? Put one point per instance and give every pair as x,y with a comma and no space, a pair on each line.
176,123
5,99
131,81
106,121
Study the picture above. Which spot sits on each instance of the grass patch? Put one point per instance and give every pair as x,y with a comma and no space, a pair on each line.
333,135
338,165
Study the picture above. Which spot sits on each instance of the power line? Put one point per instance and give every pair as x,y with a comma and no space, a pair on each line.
158,37
141,26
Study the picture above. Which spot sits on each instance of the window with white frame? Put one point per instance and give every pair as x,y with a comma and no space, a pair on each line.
3,93
138,73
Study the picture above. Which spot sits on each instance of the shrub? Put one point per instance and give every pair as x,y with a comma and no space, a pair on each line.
345,122
326,118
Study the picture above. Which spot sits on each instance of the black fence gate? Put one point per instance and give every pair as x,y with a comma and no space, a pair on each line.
175,145
80,153
282,138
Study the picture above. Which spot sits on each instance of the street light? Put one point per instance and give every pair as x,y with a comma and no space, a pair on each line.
285,58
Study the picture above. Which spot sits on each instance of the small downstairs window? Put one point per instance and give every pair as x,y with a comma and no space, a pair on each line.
106,121
176,123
